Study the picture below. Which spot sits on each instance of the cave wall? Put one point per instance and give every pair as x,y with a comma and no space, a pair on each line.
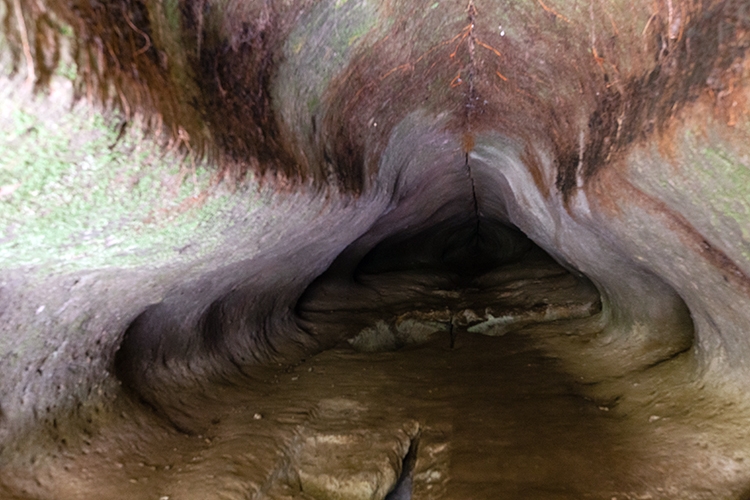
614,135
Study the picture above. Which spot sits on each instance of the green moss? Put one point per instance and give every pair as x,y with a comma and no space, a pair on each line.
65,30
320,46
172,14
312,104
68,70
75,195
728,187
717,175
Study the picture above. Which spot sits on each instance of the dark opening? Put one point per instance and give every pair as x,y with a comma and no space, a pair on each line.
457,246
448,276
403,488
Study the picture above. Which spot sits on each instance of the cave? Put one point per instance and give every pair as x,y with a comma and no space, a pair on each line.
347,249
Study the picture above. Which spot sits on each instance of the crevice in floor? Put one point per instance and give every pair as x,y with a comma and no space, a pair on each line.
403,488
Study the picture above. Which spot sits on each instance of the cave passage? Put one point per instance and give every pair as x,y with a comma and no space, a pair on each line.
432,391
464,273
429,387
440,386
427,310
466,250
447,364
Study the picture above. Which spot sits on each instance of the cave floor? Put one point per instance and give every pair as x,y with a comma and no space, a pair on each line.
501,415
492,417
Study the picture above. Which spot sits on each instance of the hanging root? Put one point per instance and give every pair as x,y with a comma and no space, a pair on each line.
31,74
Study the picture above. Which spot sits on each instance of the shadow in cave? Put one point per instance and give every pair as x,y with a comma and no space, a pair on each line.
487,277
458,246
